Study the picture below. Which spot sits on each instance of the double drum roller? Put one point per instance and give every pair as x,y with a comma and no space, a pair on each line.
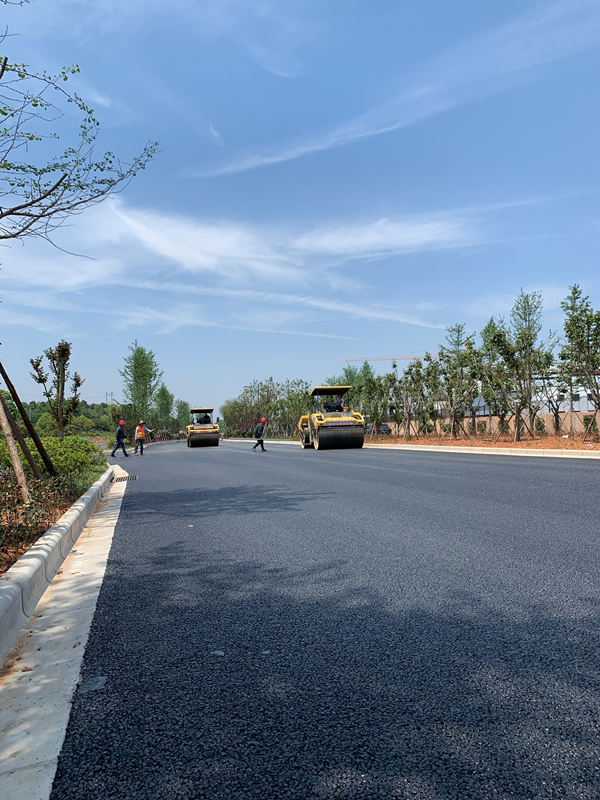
202,432
331,426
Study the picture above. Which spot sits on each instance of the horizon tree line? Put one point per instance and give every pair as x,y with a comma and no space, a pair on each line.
511,370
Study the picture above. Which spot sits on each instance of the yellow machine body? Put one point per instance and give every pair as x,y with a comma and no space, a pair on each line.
327,429
202,432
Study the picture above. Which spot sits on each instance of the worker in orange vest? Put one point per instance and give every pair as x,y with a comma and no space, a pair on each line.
140,437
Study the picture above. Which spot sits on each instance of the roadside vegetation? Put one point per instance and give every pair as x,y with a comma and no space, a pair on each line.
51,450
510,383
44,462
78,463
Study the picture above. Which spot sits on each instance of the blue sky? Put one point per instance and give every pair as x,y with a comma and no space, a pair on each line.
336,180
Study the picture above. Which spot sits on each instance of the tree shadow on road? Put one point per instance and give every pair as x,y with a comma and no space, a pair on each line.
224,682
232,500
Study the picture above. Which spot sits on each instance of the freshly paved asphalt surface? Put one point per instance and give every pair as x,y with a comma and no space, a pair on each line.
344,624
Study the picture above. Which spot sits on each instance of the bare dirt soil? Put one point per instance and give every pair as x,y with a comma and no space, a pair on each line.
11,552
539,443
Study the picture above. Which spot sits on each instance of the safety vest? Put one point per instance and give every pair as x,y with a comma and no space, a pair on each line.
140,432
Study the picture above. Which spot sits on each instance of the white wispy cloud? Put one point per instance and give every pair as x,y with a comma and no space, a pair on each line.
386,236
186,315
9,317
481,66
231,269
297,301
216,135
270,31
500,304
91,95
240,251
200,246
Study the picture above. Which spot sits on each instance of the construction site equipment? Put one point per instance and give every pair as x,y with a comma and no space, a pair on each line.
331,425
202,432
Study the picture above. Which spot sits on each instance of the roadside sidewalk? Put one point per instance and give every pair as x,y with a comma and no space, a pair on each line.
40,673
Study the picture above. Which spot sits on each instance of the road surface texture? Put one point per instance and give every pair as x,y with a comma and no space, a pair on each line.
365,625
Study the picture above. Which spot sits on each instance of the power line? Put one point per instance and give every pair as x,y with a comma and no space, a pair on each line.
391,358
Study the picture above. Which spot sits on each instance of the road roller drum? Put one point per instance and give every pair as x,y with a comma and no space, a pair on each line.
202,432
331,425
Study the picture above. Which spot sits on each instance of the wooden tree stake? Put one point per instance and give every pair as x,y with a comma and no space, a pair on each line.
28,424
21,441
14,455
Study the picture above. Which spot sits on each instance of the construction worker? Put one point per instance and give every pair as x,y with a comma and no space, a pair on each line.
258,434
140,437
120,439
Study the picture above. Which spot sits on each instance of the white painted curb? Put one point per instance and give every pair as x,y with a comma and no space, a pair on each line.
482,451
487,451
22,586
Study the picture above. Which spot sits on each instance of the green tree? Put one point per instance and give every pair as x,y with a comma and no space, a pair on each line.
40,190
182,414
11,404
55,383
281,403
141,380
46,425
80,425
580,352
459,373
163,406
376,399
411,392
358,378
35,409
523,357
492,388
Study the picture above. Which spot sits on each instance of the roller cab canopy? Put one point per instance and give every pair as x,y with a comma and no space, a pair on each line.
325,391
201,410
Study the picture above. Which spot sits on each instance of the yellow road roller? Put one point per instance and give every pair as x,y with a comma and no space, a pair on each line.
202,432
331,425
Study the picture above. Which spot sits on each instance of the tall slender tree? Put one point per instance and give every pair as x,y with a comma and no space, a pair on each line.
523,357
580,353
163,405
459,373
55,383
141,378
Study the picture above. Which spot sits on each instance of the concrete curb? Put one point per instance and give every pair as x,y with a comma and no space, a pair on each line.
484,451
22,586
488,451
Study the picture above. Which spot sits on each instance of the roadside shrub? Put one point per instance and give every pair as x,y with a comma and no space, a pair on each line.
540,426
78,462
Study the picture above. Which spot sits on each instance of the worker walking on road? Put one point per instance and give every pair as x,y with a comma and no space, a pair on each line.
140,437
258,435
120,439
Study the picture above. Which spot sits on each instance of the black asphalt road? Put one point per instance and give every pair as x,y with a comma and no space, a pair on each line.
364,625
